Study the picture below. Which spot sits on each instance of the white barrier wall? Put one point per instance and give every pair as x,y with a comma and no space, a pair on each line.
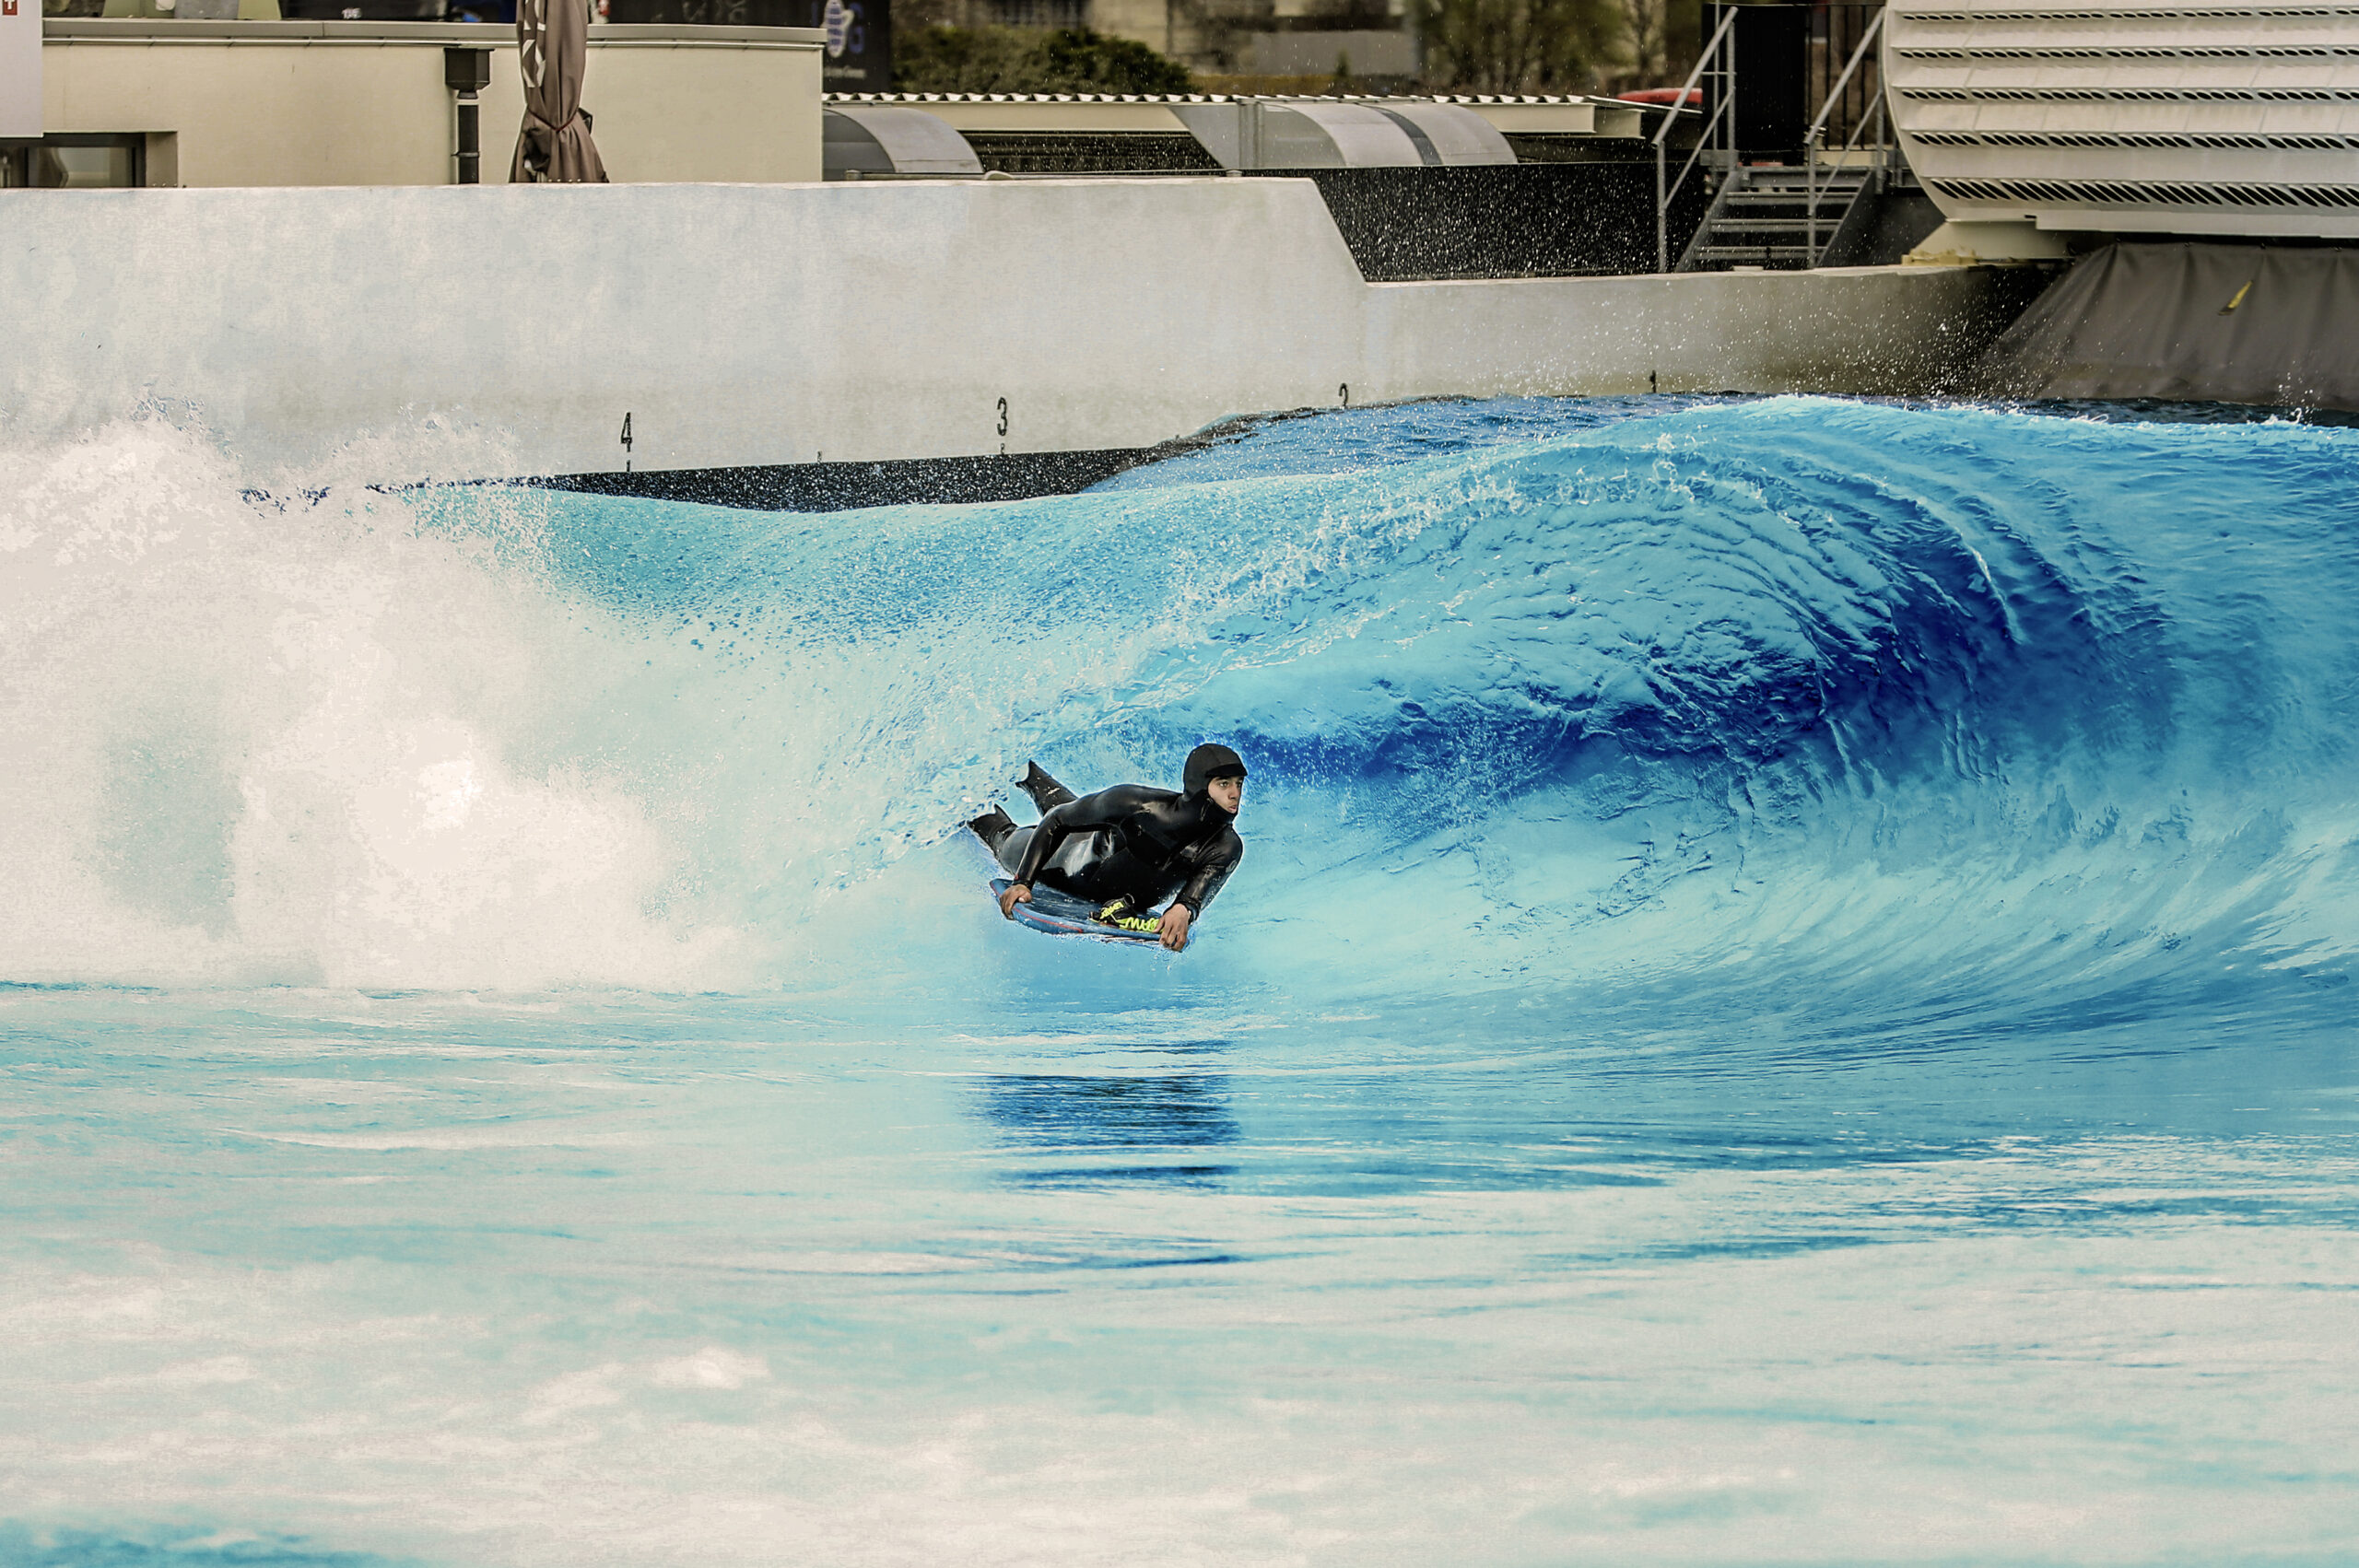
774,324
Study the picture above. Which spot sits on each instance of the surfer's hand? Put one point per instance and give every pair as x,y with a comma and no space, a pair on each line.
1173,927
1018,894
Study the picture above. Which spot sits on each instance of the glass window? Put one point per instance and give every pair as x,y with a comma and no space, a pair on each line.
75,163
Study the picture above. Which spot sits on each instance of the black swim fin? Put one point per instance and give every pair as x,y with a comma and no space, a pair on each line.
991,827
1046,792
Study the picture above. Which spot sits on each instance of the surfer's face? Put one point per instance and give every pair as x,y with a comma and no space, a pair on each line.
1226,793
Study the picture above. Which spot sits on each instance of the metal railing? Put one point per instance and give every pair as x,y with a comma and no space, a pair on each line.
1718,62
1836,31
1879,152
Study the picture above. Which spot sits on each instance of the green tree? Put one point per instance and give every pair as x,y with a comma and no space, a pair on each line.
1519,45
1646,48
946,59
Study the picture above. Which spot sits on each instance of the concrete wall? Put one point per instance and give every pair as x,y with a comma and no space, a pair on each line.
359,103
778,324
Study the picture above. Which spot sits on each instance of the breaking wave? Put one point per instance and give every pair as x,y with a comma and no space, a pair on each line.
1760,703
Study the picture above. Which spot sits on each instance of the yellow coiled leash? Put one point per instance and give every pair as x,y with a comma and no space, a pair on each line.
1118,915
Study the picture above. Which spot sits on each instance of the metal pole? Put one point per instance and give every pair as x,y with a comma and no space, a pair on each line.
466,72
1729,130
1809,190
1662,219
470,140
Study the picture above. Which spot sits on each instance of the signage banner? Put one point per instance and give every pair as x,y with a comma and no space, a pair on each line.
859,33
859,43
20,67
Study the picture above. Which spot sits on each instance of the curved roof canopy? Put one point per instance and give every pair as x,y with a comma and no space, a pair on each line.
874,138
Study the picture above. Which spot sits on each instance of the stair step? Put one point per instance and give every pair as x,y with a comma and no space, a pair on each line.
1752,255
1763,216
1798,200
1795,205
1798,186
1793,193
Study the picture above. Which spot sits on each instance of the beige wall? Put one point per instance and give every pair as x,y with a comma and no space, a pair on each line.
326,103
719,112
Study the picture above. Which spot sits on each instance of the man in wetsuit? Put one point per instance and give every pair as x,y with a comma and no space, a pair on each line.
1127,848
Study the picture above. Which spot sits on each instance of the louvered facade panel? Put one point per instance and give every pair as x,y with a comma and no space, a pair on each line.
2166,118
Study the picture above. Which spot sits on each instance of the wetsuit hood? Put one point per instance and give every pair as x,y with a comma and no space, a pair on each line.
1208,762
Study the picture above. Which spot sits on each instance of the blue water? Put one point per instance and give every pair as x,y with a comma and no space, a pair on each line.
1788,1001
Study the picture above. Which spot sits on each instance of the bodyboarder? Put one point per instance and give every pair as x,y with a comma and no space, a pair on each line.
1129,849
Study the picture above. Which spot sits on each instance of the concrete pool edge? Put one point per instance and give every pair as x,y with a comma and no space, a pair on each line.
482,332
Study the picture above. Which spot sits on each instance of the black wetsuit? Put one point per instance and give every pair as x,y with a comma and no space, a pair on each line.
1132,842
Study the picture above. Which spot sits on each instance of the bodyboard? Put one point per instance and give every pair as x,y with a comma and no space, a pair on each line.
1061,914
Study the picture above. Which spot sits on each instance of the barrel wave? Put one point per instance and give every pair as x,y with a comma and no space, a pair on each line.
1879,702
1787,999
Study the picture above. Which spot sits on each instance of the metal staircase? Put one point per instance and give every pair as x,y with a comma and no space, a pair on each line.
1763,216
1782,216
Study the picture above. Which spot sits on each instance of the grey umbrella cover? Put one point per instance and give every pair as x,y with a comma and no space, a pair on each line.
553,49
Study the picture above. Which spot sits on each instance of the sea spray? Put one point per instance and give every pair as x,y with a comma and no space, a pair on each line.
302,741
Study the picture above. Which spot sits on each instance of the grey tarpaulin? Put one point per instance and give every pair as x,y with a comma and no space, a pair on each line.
2220,323
552,49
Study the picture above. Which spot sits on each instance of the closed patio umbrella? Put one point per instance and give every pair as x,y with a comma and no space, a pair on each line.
553,47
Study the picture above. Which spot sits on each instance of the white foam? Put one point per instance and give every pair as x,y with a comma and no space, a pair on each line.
300,742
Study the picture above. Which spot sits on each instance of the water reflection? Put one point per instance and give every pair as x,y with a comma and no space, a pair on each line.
1054,1114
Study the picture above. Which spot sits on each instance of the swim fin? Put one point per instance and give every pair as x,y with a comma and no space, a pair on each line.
1046,792
991,827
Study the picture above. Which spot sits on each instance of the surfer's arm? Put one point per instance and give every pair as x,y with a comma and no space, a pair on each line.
1198,891
1207,878
1046,839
